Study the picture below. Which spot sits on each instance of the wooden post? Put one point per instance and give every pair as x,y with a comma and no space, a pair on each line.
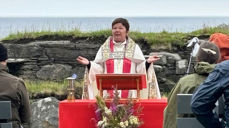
138,90
100,87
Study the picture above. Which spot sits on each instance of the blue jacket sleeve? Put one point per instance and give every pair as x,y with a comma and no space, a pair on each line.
203,100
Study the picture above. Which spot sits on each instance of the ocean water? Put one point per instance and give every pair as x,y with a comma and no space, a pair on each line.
87,24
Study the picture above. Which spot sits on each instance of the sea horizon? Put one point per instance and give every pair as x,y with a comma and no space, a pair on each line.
103,16
145,24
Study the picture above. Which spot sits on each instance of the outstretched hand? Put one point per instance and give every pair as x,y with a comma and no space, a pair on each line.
82,60
153,58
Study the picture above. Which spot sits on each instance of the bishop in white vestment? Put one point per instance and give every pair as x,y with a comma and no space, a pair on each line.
119,54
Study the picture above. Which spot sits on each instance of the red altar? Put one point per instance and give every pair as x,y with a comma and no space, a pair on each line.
81,113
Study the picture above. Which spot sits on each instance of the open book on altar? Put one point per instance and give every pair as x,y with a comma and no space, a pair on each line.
121,82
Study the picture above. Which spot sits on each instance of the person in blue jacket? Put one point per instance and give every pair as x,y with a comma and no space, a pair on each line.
203,100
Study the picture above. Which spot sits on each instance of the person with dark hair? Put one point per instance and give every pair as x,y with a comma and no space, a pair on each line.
208,53
123,21
119,54
204,99
207,56
13,89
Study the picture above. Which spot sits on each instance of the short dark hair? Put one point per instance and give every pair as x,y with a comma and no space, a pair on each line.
208,52
123,21
3,53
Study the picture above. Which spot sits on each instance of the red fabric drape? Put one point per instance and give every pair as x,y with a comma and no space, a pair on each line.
81,113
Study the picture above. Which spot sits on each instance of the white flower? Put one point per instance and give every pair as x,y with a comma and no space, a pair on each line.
100,123
105,119
105,108
122,125
108,111
133,120
126,123
105,124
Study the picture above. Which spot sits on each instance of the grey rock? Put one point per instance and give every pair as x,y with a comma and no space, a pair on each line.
162,61
181,66
45,113
167,85
157,68
66,44
175,56
54,72
17,60
79,70
25,51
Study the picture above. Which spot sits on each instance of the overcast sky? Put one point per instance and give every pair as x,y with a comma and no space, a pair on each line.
113,8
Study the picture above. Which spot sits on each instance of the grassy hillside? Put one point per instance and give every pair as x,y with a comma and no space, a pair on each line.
161,38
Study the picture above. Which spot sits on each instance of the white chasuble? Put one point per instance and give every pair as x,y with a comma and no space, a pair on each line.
128,49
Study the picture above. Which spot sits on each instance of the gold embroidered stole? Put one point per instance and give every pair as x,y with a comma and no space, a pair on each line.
128,53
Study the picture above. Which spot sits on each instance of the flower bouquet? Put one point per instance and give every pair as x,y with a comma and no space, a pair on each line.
117,115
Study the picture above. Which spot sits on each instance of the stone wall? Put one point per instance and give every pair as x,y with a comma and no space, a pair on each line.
55,60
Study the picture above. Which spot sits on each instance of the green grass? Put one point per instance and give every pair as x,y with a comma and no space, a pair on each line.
48,86
163,38
210,30
55,35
